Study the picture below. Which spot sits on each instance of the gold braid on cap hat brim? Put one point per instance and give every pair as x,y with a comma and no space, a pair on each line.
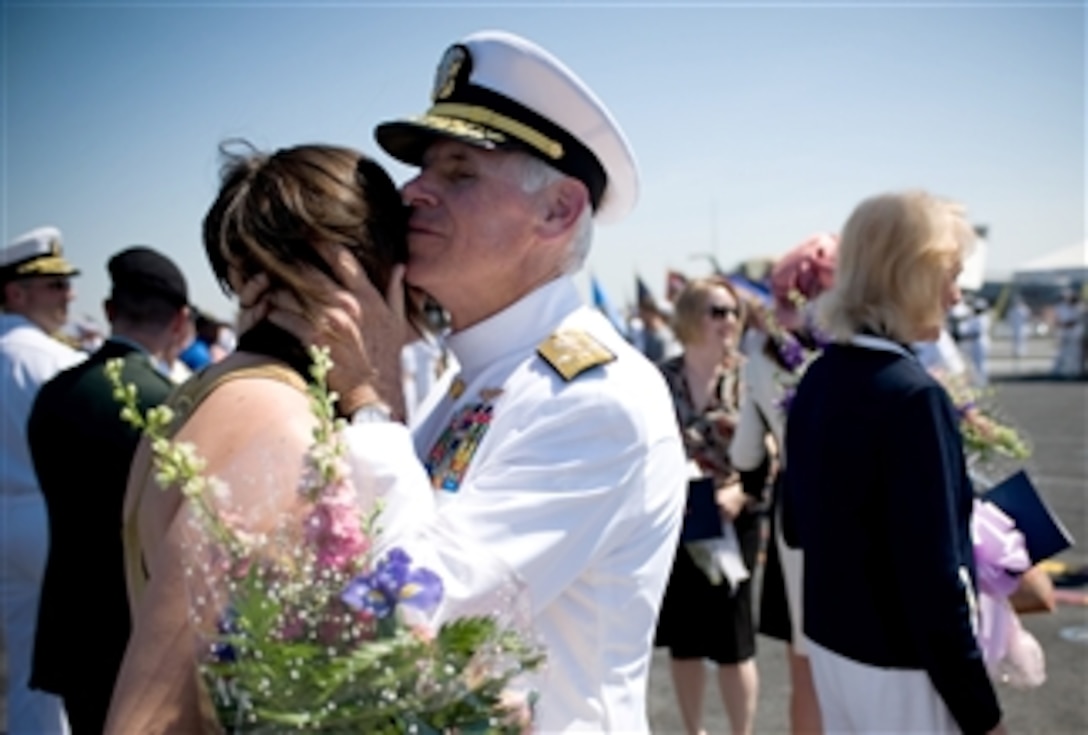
52,265
553,149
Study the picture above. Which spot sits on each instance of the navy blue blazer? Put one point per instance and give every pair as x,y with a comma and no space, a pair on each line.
878,492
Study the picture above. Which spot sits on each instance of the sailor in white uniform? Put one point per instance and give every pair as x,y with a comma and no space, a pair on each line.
35,290
553,452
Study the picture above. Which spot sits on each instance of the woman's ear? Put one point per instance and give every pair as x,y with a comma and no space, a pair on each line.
565,201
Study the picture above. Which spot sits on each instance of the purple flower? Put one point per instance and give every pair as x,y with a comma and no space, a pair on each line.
786,401
393,582
791,352
820,339
226,626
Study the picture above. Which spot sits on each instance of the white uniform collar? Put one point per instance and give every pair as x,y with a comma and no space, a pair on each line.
872,342
519,327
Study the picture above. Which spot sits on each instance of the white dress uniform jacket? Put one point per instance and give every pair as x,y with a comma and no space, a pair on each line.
576,485
28,358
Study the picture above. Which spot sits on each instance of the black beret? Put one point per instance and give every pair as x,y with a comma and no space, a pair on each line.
139,270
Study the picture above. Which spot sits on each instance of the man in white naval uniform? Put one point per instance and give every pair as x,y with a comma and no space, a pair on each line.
35,290
554,451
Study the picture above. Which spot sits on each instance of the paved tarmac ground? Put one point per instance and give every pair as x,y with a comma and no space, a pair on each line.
1054,415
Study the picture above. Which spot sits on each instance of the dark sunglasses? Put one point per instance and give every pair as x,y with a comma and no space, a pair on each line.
721,312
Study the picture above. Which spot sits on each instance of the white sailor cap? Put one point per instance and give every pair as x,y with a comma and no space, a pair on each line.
496,90
35,253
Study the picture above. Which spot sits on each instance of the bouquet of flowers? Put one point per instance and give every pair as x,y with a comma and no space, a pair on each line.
309,628
985,436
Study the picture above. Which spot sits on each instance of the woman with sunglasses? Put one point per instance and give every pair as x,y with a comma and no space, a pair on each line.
705,615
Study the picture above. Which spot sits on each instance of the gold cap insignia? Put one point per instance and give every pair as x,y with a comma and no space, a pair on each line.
571,352
453,61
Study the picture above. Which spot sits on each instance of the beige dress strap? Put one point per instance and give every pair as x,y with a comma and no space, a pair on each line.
184,400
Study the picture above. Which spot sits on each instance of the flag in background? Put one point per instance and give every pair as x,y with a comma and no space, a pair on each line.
754,289
600,300
644,297
674,284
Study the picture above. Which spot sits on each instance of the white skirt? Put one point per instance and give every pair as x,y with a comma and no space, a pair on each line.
859,698
791,561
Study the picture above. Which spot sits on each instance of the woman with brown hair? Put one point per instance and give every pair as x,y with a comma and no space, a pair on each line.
703,618
282,217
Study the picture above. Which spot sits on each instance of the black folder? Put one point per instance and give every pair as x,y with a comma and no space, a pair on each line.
702,519
1018,498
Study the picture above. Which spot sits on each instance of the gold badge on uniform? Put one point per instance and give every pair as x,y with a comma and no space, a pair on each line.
449,69
457,387
572,351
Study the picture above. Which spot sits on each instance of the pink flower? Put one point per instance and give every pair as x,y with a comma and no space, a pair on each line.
293,628
422,633
333,628
334,531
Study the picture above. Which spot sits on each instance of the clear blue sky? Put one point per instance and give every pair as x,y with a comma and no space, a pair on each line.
754,124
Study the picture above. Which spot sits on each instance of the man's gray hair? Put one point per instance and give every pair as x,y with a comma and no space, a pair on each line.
536,175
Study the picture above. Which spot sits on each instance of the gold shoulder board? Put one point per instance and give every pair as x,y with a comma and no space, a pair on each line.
571,352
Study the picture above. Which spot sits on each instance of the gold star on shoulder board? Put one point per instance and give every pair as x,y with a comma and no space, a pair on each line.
571,352
457,387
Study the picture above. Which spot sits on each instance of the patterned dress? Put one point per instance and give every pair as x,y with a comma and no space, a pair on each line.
699,619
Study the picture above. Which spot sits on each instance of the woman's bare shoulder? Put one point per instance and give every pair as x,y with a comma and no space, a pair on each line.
253,407
252,434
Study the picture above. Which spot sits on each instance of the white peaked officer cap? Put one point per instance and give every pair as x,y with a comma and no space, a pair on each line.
499,91
35,253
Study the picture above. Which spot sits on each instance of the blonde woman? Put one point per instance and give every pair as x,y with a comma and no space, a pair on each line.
701,620
879,488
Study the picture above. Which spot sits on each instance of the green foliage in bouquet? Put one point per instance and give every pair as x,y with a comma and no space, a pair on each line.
308,629
985,436
988,437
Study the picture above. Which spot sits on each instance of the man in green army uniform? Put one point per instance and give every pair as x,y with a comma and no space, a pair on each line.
82,450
